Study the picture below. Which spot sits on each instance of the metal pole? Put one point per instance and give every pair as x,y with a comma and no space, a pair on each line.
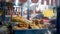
22,9
28,10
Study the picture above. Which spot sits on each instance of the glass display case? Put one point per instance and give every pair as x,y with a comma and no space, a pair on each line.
31,16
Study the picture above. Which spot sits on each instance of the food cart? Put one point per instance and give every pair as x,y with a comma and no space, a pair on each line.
16,12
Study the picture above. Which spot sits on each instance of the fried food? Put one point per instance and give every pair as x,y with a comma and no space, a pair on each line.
25,24
34,26
19,28
42,26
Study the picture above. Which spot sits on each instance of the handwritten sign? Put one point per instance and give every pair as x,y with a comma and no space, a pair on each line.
48,13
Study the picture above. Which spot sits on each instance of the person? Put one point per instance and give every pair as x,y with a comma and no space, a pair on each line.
53,26
46,21
53,23
0,23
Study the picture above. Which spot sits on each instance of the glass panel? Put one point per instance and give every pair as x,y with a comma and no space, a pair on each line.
25,10
16,11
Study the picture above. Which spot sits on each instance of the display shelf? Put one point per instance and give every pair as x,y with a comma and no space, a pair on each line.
30,31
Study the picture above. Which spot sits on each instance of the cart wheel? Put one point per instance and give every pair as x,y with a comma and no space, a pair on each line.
48,32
